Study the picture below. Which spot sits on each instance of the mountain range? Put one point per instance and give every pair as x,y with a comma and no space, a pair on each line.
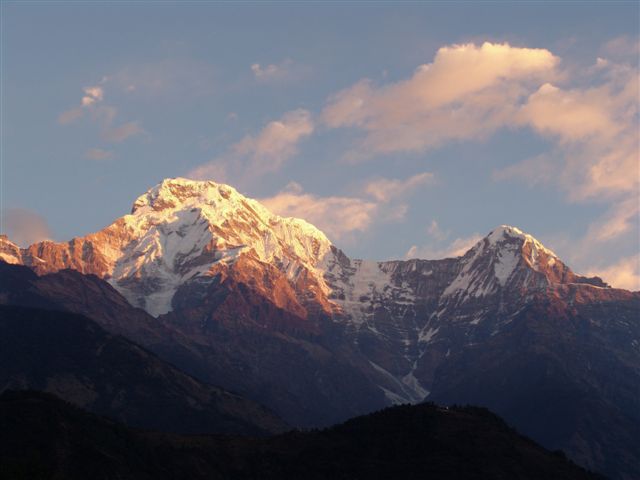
270,308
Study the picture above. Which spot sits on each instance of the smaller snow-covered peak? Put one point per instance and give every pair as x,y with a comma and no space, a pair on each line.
507,256
505,231
531,247
508,234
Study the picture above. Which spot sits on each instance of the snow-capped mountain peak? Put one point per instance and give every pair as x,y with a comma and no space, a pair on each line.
536,248
507,257
171,193
236,219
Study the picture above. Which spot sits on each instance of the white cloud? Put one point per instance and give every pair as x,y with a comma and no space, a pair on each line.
460,246
92,95
98,154
625,273
166,80
436,232
468,92
342,217
384,190
536,170
625,47
25,227
91,102
277,142
70,116
256,155
264,73
456,248
214,170
282,72
595,157
336,216
122,132
571,115
621,219
597,135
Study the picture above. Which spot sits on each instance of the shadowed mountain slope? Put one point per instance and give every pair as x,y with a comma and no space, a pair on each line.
73,357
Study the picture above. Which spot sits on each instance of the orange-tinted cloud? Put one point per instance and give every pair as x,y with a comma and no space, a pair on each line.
343,217
98,154
70,116
277,142
216,170
336,216
625,273
265,152
92,95
24,227
456,248
91,103
166,80
468,92
121,133
621,219
384,189
597,133
597,151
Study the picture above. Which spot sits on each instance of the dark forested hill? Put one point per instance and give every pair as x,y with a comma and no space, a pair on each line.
43,437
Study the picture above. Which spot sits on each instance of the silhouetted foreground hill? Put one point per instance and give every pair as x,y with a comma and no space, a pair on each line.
73,357
43,437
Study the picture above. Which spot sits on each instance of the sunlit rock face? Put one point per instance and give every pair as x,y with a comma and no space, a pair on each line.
187,232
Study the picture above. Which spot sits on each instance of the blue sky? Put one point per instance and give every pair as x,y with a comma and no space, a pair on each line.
400,129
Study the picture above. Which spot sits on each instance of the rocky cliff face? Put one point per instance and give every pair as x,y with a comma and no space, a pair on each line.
268,307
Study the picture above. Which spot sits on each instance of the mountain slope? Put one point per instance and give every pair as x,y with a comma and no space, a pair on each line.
47,438
566,376
224,342
75,358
